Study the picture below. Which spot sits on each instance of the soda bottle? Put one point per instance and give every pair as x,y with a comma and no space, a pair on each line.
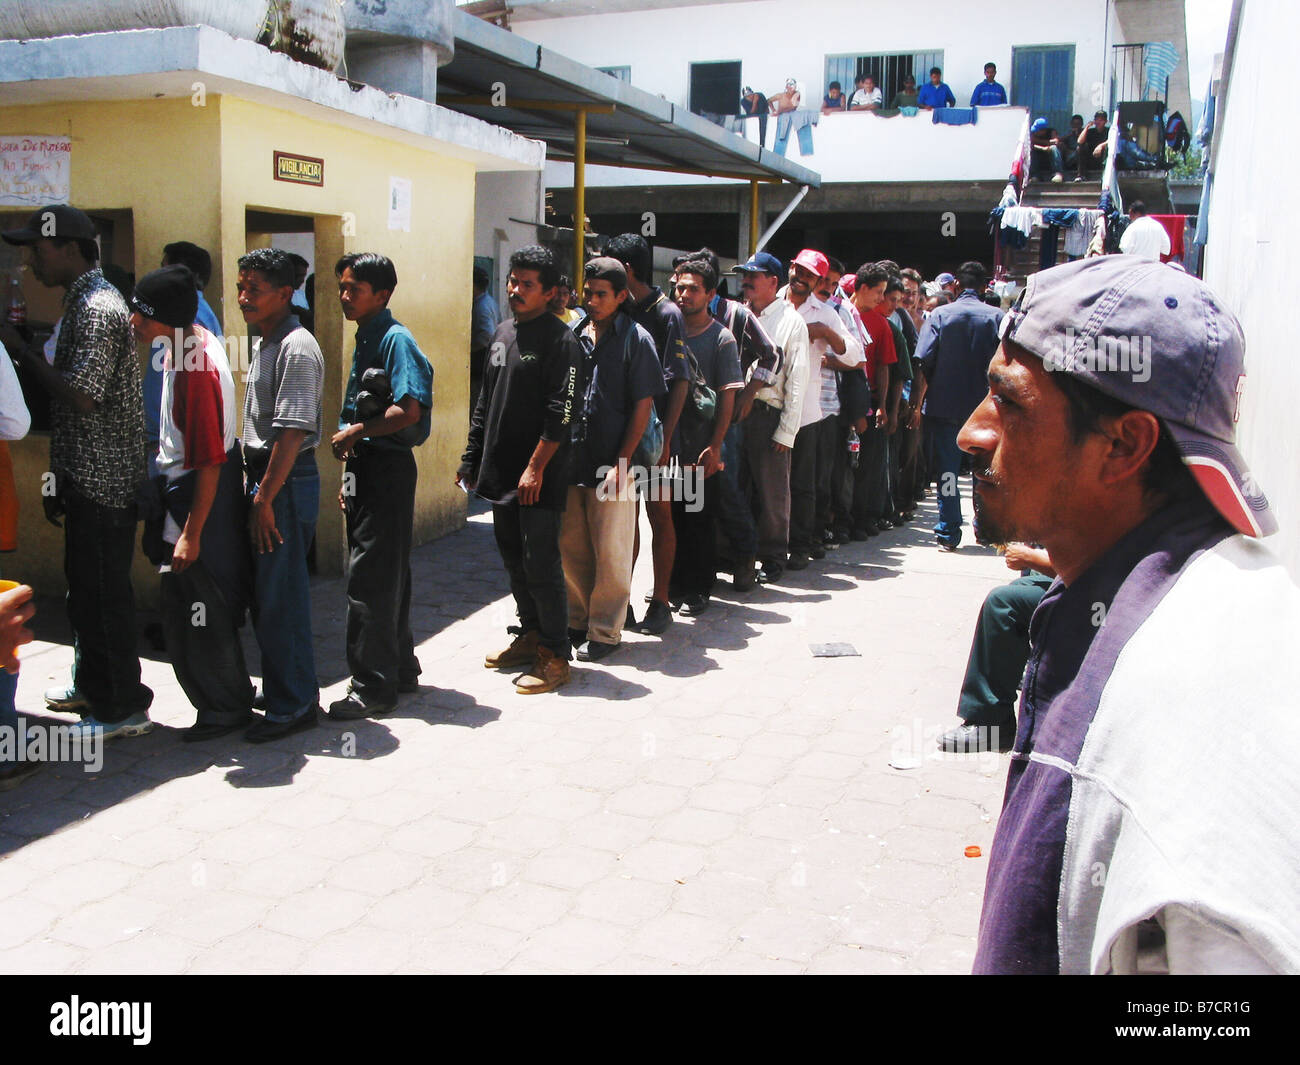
855,447
16,313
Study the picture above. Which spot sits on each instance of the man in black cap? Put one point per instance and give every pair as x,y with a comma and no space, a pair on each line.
97,460
203,549
1149,819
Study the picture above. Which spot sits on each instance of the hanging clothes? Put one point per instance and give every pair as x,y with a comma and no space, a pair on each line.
954,116
1079,235
1175,225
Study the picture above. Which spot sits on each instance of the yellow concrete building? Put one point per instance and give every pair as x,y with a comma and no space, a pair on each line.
179,136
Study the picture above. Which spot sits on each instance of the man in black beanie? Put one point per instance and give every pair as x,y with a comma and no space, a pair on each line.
203,548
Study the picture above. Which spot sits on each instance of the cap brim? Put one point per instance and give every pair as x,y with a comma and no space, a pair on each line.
1222,475
19,236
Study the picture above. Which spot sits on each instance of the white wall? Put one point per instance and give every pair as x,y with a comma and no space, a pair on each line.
775,40
504,204
857,147
1250,258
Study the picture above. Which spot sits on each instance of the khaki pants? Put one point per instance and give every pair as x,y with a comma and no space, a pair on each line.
596,547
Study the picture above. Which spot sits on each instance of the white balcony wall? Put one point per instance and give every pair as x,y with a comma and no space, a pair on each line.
862,147
776,40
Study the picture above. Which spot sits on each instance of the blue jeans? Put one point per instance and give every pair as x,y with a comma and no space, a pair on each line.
946,470
281,591
805,135
734,515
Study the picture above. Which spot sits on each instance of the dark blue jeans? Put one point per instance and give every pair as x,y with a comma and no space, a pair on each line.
734,515
98,545
946,471
281,591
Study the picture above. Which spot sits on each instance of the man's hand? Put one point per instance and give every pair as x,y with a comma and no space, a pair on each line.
820,331
16,610
711,460
185,553
346,439
882,419
343,501
914,421
613,485
665,456
779,447
860,426
530,486
744,404
261,527
1018,558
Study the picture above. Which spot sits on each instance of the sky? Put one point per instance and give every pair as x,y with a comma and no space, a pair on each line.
1207,33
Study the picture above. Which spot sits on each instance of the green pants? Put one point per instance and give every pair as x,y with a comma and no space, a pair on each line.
999,652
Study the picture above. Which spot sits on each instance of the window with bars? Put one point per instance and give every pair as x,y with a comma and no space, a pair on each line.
887,69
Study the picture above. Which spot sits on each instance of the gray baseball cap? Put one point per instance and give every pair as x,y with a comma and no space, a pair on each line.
1157,339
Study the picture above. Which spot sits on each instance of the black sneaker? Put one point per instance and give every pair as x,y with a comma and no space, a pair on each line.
263,730
695,605
658,617
816,552
577,637
595,651
798,561
770,572
353,708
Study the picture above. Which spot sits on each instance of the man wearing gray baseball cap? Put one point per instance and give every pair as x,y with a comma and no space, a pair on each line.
1149,818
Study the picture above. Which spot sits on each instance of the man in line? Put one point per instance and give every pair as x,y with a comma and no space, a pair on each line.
831,348
713,350
623,379
659,317
956,344
759,361
1149,819
988,93
1144,237
772,428
935,93
97,457
871,478
205,566
378,497
517,458
484,319
282,427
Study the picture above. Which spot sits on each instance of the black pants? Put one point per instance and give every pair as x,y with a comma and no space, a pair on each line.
810,483
380,519
98,546
202,629
695,563
529,541
999,652
839,514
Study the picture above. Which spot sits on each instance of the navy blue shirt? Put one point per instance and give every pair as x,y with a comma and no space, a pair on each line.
1076,636
621,370
988,93
385,342
957,342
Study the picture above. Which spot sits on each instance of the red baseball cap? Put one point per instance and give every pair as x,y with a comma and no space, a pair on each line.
812,260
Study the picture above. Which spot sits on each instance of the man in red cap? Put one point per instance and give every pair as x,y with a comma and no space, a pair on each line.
831,348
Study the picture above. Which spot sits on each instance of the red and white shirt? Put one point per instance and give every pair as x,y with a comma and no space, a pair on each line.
197,420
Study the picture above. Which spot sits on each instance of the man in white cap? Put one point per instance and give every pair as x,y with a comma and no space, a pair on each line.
1149,819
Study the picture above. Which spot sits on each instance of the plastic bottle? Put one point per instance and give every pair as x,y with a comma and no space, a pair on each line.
855,447
16,312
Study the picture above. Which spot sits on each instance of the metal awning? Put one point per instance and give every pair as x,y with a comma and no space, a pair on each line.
588,117
626,126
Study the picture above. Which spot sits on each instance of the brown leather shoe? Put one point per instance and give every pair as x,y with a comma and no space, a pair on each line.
521,652
547,674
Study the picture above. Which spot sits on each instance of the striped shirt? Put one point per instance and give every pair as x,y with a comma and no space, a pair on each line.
283,390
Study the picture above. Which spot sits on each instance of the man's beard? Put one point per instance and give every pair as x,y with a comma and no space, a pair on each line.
987,530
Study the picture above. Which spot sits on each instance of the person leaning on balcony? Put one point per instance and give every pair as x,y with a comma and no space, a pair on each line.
907,96
834,99
868,97
936,93
988,93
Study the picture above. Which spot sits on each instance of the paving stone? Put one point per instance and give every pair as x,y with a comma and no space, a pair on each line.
255,951
570,867
99,924
623,900
520,906
697,826
680,938
647,800
571,945
317,912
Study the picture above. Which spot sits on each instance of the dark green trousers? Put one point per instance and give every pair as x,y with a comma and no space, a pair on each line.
999,652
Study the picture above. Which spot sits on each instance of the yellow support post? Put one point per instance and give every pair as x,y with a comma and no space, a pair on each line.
579,197
753,217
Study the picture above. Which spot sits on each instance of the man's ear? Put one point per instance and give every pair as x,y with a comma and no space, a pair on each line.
1132,437
622,296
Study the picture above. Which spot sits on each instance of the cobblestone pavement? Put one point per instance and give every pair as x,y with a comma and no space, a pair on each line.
718,801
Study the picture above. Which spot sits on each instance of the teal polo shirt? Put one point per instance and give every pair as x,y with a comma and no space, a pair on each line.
385,342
